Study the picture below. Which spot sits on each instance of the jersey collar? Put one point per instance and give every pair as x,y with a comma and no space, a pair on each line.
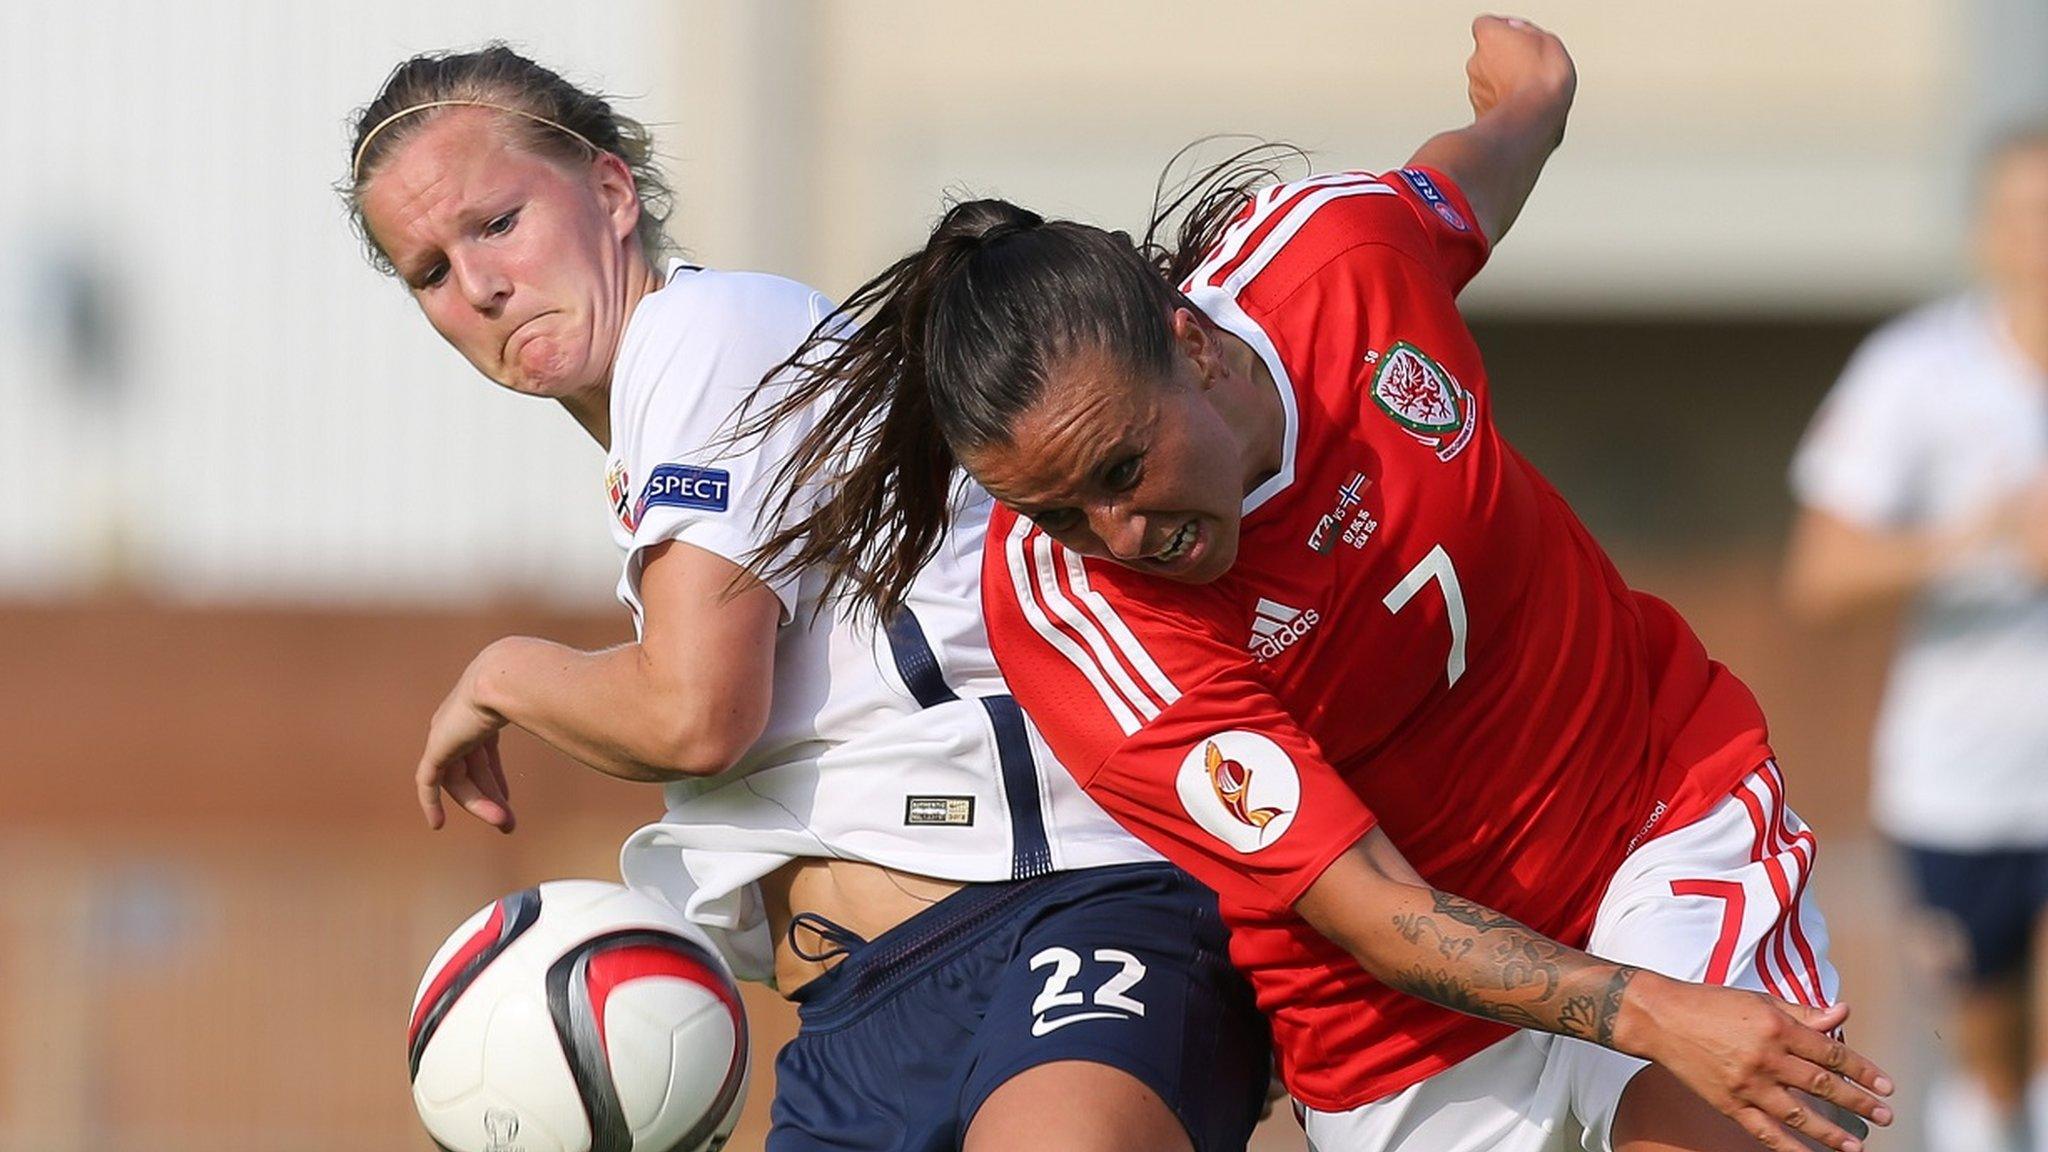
1223,309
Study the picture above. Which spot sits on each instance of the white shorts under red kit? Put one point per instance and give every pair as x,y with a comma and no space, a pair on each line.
1720,901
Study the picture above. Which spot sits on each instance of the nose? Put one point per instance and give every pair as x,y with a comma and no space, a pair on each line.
482,284
1120,530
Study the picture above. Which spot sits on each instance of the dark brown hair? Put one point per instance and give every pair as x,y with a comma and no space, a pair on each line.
495,74
940,354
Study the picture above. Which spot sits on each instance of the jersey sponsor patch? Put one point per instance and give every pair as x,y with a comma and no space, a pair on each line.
1275,627
685,486
1424,399
945,811
1241,788
1435,198
617,488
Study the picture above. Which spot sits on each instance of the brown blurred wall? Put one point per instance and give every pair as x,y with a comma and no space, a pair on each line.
220,893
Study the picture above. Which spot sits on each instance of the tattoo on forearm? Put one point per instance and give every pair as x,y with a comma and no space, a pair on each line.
1452,991
1472,915
1610,1005
1579,1016
1416,928
1591,1017
1501,970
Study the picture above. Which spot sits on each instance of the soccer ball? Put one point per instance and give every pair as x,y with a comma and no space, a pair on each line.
578,1016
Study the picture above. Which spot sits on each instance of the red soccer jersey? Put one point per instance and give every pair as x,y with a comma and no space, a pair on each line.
1417,633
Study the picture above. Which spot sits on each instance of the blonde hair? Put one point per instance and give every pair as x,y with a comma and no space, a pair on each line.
555,118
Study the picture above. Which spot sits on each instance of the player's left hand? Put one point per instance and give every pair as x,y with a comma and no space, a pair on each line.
461,758
1749,1056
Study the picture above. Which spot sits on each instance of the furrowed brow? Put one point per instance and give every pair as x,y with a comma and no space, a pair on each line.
414,264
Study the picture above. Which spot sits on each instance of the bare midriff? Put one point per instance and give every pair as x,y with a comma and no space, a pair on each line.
865,899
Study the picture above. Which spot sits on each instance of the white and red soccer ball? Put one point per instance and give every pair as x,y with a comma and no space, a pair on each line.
578,1016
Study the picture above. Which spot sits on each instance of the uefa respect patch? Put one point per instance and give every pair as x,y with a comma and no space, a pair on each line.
1435,198
686,486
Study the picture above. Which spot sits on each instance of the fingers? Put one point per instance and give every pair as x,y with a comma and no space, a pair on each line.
464,791
492,781
1837,1095
1790,1129
1794,1118
1825,1090
1825,1019
498,770
1854,1124
477,763
427,783
1835,1056
466,787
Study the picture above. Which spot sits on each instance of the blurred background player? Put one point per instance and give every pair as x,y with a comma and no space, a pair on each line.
1924,480
860,813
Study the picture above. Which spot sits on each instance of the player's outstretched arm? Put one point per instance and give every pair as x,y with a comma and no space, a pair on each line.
1835,567
1742,1052
686,700
1521,85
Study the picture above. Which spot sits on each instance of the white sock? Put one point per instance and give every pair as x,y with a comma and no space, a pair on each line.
1961,1116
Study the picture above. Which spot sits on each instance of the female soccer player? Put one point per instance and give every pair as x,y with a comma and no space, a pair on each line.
1294,612
1012,970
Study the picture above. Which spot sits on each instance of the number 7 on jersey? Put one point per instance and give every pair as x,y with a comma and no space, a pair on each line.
1437,566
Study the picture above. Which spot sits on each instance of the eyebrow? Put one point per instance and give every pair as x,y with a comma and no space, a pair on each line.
415,266
466,219
1034,511
1124,446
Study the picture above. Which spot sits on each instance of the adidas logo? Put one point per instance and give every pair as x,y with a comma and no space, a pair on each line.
1275,628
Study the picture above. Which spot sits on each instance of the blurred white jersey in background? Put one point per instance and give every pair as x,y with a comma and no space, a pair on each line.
1938,418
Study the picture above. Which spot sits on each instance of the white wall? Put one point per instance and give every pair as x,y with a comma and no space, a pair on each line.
281,421
1734,155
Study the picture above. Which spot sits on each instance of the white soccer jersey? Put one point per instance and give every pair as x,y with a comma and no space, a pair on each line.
1938,417
898,746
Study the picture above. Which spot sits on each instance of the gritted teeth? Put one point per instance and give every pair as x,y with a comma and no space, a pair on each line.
1175,546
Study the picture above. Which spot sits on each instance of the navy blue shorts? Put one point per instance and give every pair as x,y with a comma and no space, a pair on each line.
1994,895
1124,966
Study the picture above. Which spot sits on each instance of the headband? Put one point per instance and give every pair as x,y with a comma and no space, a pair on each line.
356,168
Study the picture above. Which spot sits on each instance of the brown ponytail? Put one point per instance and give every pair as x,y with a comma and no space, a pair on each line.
1207,201
941,354
876,450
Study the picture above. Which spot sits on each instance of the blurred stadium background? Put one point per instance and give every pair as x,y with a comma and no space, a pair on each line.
254,517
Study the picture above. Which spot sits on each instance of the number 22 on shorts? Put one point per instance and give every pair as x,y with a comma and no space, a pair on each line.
1112,996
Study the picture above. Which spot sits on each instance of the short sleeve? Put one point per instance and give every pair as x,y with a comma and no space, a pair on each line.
1172,731
1860,458
1290,234
1458,246
688,382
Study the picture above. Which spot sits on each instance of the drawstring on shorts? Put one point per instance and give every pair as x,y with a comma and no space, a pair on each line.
839,940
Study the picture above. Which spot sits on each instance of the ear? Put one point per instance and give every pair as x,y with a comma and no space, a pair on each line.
1192,336
617,192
